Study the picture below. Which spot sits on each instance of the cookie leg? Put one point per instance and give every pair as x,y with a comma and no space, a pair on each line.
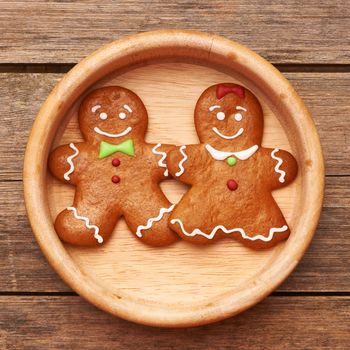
85,223
202,222
192,218
150,221
268,228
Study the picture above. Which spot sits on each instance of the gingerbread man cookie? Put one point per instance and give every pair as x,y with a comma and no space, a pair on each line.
115,173
230,173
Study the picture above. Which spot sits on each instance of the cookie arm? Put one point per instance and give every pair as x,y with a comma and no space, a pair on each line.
63,162
280,166
185,162
161,152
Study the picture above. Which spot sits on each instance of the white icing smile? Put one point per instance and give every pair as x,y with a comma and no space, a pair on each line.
238,133
104,116
123,133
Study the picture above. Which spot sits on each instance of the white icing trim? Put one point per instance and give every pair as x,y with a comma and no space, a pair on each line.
239,108
221,155
161,161
227,231
70,161
150,221
97,236
211,108
182,161
247,153
279,163
238,133
95,108
127,107
123,133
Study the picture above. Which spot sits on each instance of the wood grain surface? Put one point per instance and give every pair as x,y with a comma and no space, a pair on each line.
154,286
294,31
325,94
311,310
276,323
325,267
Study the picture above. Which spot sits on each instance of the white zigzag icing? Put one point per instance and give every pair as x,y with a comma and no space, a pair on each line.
225,230
161,161
182,161
279,163
87,224
70,161
150,221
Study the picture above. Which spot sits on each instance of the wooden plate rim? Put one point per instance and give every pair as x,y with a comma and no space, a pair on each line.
139,48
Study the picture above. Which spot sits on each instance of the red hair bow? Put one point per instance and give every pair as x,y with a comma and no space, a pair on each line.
223,90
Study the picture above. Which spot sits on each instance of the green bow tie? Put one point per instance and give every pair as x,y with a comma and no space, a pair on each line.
126,147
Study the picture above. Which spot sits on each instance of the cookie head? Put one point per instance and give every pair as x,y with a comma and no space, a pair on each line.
112,113
229,117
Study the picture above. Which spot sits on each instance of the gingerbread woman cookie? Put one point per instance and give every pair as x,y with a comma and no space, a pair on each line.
230,173
115,173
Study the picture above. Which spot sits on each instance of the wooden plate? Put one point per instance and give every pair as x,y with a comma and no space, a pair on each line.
181,285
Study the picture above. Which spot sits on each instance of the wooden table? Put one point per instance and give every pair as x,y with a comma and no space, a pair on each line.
308,41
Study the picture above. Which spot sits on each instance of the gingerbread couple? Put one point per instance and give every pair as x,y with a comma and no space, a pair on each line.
116,173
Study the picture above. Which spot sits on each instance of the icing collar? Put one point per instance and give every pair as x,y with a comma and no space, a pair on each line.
221,155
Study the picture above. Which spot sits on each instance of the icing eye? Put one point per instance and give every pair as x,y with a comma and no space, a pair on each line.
103,116
122,115
220,115
238,117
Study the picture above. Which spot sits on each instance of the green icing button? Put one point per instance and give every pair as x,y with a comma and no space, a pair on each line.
231,161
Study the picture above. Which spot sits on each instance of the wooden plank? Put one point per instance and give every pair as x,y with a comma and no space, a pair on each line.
22,265
64,32
324,268
326,265
23,94
277,323
326,96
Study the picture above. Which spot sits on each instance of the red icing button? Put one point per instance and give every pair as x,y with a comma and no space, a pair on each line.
115,179
232,185
115,162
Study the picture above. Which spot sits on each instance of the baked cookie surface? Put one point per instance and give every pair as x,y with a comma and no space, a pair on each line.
230,173
116,173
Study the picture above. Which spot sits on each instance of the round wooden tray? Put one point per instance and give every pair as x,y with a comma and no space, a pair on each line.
180,285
